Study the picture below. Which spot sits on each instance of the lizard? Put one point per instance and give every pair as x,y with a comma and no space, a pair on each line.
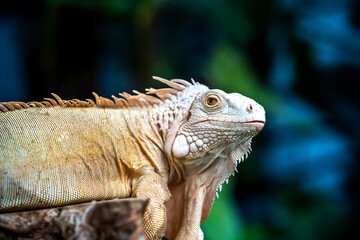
175,145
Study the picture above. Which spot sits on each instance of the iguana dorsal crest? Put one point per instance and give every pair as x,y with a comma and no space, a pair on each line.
127,100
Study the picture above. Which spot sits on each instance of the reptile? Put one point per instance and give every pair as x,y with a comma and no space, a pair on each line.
175,145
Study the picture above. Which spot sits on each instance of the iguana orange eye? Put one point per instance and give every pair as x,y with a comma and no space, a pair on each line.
211,101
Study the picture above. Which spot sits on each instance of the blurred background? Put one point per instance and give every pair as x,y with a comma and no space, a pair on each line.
299,59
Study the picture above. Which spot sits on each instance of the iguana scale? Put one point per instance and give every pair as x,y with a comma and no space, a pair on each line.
176,148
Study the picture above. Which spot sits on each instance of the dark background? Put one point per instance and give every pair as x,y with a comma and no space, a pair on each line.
299,59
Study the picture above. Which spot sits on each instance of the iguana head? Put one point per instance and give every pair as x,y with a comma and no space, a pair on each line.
211,127
218,121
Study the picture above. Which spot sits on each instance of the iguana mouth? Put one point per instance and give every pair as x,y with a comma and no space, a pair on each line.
234,119
256,121
228,121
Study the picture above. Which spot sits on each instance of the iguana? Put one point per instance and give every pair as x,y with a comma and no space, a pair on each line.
175,145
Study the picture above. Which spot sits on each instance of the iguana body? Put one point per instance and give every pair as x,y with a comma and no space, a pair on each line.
176,150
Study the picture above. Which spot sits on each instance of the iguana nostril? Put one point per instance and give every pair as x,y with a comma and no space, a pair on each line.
249,108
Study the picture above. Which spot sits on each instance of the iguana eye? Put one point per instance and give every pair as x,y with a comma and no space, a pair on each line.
212,101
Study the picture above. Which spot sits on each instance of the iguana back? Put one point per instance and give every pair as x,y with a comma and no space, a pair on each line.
61,155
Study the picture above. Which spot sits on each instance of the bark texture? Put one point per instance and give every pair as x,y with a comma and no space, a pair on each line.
112,219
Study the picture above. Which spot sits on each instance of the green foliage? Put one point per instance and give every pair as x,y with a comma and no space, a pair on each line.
229,70
225,218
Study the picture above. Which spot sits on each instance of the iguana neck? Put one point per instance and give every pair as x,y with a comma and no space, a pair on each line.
169,115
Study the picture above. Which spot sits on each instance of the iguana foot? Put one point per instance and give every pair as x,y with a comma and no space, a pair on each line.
153,187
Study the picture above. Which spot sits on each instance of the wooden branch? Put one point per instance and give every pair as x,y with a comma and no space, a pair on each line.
111,219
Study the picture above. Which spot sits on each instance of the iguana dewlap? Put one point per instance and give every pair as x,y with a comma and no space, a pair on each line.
176,149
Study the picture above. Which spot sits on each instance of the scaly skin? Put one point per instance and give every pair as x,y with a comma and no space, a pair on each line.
176,151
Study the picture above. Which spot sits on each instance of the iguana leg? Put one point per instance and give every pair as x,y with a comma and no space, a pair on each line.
153,187
184,211
190,227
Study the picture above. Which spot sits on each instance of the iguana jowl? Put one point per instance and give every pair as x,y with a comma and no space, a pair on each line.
177,149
